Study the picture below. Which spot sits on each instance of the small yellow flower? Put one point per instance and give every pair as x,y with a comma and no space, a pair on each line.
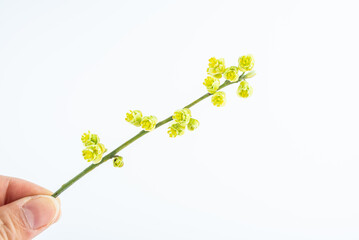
244,90
182,115
219,99
89,139
216,67
231,74
213,62
245,63
118,161
212,84
134,117
94,149
92,153
250,75
148,123
193,124
176,129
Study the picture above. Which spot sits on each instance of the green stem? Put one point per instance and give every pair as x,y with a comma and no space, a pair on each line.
131,140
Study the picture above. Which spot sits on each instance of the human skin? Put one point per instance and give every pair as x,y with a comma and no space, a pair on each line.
26,209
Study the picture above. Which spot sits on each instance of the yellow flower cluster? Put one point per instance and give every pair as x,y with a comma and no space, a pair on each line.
118,161
93,148
135,117
182,119
216,69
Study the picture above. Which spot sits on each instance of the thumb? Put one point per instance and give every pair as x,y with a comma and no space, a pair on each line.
27,217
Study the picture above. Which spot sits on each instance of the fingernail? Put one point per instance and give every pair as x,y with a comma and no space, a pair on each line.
41,211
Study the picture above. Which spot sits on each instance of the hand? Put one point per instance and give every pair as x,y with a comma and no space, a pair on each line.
26,209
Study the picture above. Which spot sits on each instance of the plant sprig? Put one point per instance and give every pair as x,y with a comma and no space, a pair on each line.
94,149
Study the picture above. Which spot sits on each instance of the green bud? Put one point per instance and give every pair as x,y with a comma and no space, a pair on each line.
250,75
118,161
193,124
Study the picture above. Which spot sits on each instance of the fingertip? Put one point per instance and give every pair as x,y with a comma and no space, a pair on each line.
41,211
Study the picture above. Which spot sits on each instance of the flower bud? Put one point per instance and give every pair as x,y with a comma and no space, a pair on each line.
193,124
118,161
219,99
182,115
231,74
134,117
216,67
176,129
246,63
92,153
212,84
148,123
244,90
250,75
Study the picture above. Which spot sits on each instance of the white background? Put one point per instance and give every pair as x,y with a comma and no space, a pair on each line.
282,164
